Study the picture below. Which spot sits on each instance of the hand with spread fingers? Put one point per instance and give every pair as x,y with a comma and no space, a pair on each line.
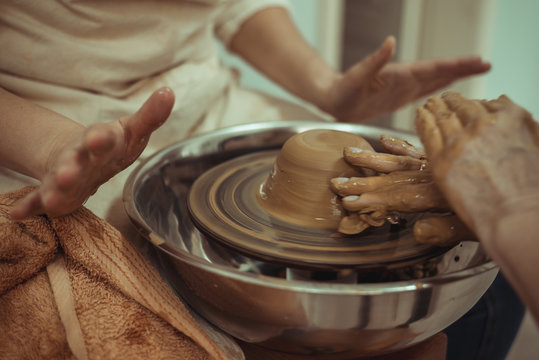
375,86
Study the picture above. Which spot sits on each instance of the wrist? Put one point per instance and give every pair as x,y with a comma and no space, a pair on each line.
516,217
322,88
313,81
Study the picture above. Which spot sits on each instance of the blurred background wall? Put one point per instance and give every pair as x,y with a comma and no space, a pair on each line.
515,53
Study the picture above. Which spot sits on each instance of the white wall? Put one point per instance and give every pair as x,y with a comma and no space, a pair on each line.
504,32
515,53
434,29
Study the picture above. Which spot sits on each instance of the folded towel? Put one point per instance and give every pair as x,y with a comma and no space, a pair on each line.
73,287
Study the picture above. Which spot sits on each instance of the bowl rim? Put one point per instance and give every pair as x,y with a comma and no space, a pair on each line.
144,167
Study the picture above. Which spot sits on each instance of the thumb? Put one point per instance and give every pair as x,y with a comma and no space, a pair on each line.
373,63
151,115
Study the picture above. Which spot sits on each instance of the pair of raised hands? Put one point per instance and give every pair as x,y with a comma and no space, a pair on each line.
479,156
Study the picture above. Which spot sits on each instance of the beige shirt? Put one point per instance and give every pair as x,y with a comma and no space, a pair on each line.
98,60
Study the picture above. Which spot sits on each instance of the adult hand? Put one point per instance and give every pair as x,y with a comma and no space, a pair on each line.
374,87
90,157
404,185
485,159
484,156
401,186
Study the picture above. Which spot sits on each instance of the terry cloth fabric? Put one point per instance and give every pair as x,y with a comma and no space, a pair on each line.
73,287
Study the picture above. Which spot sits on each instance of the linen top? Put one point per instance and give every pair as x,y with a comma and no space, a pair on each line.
97,60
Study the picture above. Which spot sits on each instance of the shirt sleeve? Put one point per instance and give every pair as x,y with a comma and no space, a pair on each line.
234,12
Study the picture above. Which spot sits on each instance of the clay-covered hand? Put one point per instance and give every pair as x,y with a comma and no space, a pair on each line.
374,87
484,155
77,167
403,184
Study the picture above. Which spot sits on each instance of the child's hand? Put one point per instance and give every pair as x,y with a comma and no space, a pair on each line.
77,168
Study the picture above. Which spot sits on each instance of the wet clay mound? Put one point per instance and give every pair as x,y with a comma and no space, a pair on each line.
298,187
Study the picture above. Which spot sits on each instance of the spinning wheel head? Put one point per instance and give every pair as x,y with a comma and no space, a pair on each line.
237,204
297,187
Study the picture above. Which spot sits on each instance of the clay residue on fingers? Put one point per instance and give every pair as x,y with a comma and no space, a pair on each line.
352,224
400,147
359,185
398,198
381,162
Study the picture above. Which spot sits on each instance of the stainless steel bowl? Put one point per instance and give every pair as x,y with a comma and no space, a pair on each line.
269,305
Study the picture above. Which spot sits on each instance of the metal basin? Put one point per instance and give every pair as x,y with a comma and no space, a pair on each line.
277,307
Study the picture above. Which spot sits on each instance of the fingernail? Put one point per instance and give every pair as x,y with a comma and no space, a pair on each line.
363,199
355,150
341,180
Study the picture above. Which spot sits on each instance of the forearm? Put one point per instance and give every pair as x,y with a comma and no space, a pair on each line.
271,43
513,243
30,133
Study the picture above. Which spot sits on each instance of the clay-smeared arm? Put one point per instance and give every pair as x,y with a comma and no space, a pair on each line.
485,159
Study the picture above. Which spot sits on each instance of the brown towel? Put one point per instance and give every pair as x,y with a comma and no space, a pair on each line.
73,287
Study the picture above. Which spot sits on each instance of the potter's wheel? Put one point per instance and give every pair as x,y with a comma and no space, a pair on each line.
223,205
269,305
